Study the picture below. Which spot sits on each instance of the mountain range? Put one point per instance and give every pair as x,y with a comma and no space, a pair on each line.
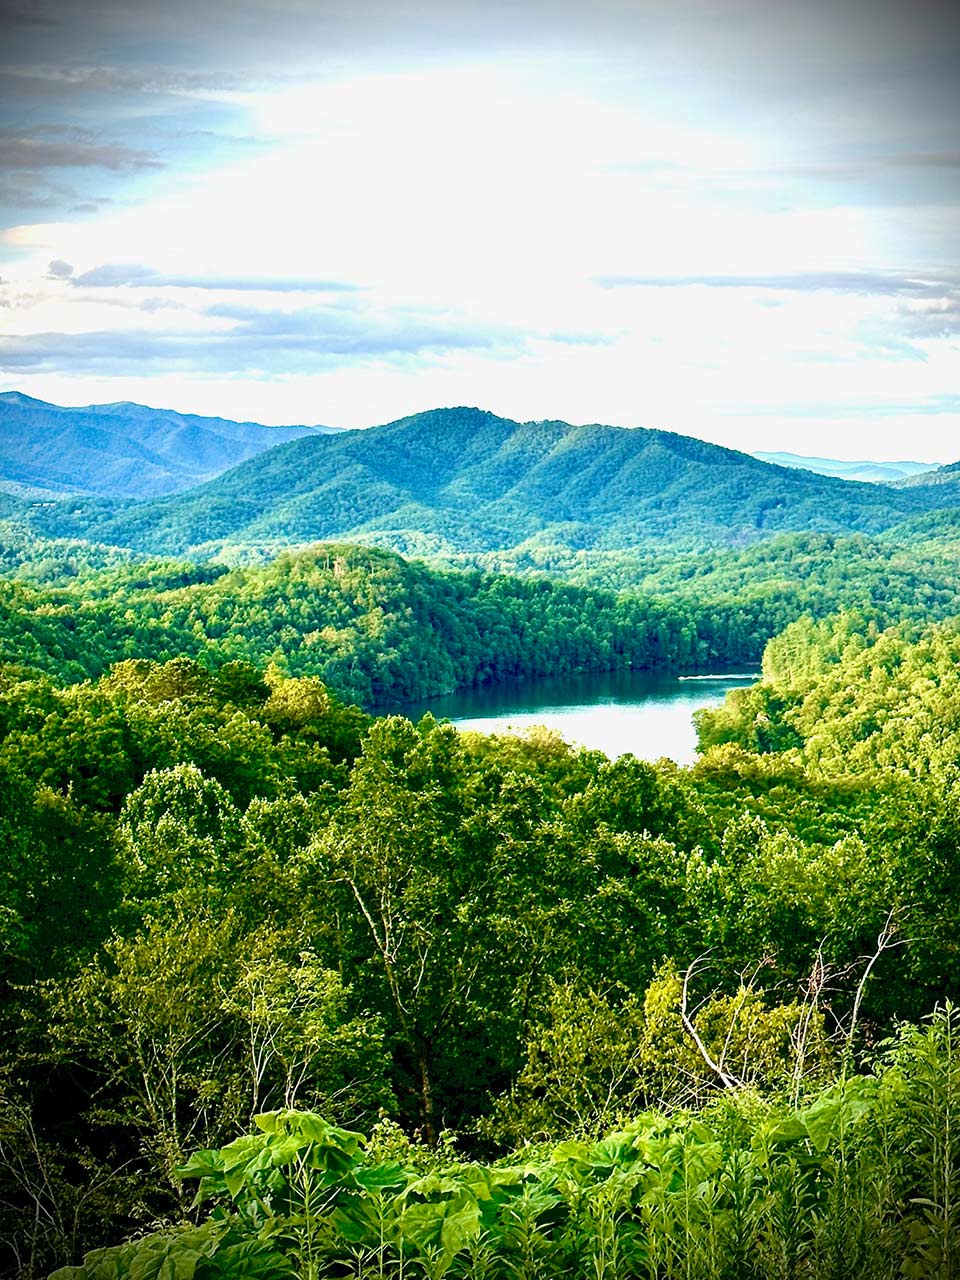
462,481
875,472
121,450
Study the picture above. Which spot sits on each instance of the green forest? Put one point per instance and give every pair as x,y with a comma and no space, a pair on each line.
374,627
462,481
293,989
382,630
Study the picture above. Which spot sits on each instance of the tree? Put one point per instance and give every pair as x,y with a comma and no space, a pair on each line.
404,878
182,833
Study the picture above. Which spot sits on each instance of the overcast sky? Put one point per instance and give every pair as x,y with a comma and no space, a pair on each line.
737,219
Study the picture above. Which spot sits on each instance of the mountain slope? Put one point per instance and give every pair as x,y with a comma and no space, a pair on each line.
948,475
463,480
122,450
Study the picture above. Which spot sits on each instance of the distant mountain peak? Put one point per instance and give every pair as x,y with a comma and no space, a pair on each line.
460,414
463,481
122,449
861,469
18,397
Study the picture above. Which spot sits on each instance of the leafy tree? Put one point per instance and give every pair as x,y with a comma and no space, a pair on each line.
58,881
407,879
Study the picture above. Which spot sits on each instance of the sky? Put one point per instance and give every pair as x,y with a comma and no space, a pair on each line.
735,219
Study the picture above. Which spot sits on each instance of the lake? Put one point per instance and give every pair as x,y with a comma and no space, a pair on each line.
647,713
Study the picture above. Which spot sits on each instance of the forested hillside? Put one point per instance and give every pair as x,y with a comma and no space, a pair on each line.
657,1021
907,572
375,627
227,895
843,695
946,475
390,888
456,481
380,630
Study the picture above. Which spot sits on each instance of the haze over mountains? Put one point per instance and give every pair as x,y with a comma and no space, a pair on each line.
461,481
948,475
121,450
875,472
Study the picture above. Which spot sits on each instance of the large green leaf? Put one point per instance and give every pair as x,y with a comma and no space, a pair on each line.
841,1106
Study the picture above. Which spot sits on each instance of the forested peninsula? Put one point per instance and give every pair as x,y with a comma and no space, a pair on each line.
292,989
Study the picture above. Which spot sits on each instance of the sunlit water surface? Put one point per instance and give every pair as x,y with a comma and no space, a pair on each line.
650,715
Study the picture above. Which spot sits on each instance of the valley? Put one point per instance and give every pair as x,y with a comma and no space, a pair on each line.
479,640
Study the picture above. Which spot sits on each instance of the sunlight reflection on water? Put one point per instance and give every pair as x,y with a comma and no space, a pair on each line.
614,712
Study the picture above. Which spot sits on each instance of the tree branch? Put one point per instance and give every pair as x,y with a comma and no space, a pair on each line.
729,1081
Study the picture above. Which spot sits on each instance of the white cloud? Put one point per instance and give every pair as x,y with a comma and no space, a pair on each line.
478,205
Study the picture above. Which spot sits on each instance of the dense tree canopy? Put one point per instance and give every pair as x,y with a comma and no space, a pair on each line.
373,627
464,481
224,891
261,898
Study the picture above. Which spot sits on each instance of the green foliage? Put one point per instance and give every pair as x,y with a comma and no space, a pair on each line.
923,1096
379,630
59,875
223,892
596,1058
461,480
192,1024
97,741
851,699
583,1067
208,1252
374,628
183,835
418,868
859,1182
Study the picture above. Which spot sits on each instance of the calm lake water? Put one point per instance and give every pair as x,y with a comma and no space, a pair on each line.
614,711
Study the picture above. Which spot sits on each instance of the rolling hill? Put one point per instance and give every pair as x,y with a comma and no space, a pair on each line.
454,481
121,450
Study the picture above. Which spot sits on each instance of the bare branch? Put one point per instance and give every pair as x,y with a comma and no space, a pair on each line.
886,940
729,1081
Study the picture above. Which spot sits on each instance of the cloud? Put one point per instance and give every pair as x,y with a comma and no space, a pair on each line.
820,410
938,318
134,275
260,344
339,331
31,191
870,163
60,147
862,282
29,13
160,80
151,305
59,270
924,159
36,163
113,274
267,342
